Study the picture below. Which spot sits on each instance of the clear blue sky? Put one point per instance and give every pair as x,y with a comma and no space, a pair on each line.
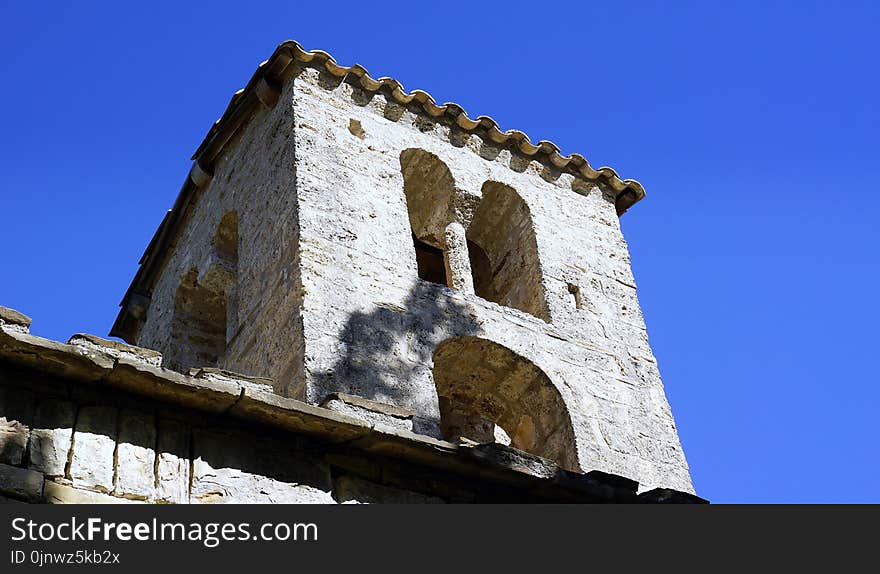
753,126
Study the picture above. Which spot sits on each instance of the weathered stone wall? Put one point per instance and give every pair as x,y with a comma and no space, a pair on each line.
327,296
93,420
85,443
255,178
371,325
66,441
73,443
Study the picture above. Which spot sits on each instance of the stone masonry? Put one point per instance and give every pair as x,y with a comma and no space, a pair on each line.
345,244
96,421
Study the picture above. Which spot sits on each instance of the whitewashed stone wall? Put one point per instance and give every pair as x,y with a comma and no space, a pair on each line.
328,295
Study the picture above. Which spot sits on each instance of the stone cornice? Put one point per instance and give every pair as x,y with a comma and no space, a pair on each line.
109,365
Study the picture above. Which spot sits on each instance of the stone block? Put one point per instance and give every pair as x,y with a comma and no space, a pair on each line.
348,489
116,349
144,379
13,441
670,496
297,416
55,493
16,418
614,480
94,446
238,468
52,357
229,377
14,319
50,438
21,483
136,456
379,415
173,464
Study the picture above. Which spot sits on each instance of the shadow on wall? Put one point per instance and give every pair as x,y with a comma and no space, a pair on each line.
488,393
475,388
386,355
428,356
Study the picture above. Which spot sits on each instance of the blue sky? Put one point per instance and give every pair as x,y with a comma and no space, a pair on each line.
753,127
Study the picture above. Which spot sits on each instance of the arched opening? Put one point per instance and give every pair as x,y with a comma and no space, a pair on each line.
503,252
482,385
431,262
481,270
430,190
198,328
206,307
226,261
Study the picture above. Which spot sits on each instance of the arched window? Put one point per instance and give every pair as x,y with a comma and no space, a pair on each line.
503,252
430,190
226,259
206,306
482,385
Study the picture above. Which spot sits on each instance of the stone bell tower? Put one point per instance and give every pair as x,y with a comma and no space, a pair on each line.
344,237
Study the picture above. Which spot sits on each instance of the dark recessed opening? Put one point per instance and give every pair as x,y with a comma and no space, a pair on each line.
432,264
503,252
481,269
575,293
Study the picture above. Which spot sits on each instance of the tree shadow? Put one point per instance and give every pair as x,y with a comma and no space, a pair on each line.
386,354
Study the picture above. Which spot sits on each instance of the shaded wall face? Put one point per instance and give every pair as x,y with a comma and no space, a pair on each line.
198,327
371,326
254,179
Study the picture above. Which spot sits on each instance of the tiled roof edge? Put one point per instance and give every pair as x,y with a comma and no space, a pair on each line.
544,151
263,90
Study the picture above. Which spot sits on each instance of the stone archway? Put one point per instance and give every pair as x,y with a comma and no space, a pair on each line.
430,191
205,315
481,384
503,252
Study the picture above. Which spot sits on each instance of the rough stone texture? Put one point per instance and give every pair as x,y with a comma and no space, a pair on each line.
458,266
350,489
59,359
265,449
214,374
116,349
21,483
17,408
14,320
50,439
276,476
55,493
173,465
92,464
13,441
325,294
137,437
268,295
378,415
